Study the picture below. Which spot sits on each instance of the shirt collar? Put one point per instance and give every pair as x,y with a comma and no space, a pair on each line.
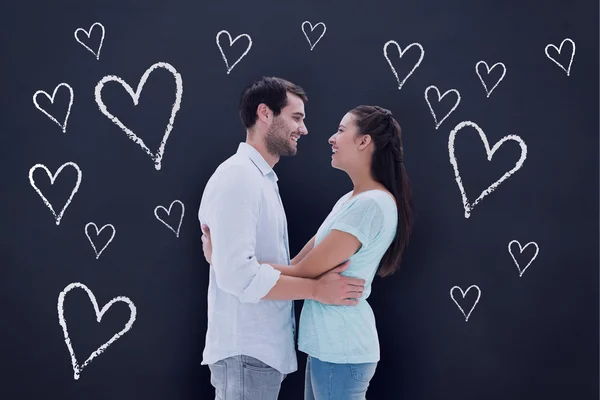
249,151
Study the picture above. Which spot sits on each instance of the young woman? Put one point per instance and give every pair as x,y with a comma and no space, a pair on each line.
369,226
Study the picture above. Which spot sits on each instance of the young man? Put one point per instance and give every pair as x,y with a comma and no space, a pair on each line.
251,322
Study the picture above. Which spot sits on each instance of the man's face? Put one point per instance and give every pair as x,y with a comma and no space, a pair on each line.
287,128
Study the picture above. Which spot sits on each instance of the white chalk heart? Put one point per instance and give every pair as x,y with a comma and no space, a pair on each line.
490,153
231,42
63,125
157,158
488,70
52,179
401,53
99,314
463,296
558,51
312,28
168,212
97,233
88,34
521,249
439,99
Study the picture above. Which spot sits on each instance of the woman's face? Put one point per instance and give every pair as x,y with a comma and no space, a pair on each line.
343,143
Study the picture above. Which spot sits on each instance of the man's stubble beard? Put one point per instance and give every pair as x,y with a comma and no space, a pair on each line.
277,140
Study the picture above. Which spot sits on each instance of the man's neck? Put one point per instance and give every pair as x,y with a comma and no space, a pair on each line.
262,149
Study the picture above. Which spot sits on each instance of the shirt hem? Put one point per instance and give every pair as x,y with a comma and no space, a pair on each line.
336,359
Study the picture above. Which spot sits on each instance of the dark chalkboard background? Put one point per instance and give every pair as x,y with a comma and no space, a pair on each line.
529,336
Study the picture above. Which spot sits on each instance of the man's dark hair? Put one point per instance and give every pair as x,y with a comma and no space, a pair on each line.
271,91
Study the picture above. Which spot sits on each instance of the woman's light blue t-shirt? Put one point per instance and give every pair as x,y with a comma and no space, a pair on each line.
347,334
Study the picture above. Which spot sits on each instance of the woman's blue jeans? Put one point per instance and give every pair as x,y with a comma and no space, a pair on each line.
330,381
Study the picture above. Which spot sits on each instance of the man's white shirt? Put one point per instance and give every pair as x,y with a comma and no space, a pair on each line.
242,207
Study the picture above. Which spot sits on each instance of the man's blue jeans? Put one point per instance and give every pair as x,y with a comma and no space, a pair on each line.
245,377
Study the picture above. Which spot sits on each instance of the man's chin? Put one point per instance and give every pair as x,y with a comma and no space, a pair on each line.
290,153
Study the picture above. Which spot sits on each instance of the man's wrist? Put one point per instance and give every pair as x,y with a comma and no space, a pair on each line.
314,288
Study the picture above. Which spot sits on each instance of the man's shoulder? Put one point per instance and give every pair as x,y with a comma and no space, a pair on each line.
236,168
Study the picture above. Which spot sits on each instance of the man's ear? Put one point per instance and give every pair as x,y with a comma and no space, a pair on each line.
263,113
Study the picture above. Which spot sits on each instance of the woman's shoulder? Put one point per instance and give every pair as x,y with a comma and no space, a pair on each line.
380,196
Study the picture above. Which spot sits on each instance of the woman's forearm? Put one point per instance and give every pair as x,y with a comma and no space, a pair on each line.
305,250
288,270
292,270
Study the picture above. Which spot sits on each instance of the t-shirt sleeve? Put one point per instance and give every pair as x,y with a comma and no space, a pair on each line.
363,219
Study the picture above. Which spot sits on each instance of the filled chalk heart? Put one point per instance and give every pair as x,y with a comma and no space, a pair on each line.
135,96
77,368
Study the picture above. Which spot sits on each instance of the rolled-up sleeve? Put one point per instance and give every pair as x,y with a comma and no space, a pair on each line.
233,213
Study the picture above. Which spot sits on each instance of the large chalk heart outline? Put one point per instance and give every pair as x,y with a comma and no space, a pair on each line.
99,314
231,42
52,179
490,153
464,293
157,158
401,53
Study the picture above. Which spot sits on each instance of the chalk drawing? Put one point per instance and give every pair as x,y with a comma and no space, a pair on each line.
312,28
52,179
521,249
476,288
97,233
169,213
63,125
559,50
99,314
468,206
157,158
439,99
88,33
401,53
488,70
231,42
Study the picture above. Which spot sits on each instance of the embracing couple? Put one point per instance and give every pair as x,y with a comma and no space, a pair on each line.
250,341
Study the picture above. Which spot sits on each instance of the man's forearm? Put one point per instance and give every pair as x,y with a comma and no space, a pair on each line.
292,288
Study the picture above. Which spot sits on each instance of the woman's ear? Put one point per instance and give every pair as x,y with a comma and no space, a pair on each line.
364,141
